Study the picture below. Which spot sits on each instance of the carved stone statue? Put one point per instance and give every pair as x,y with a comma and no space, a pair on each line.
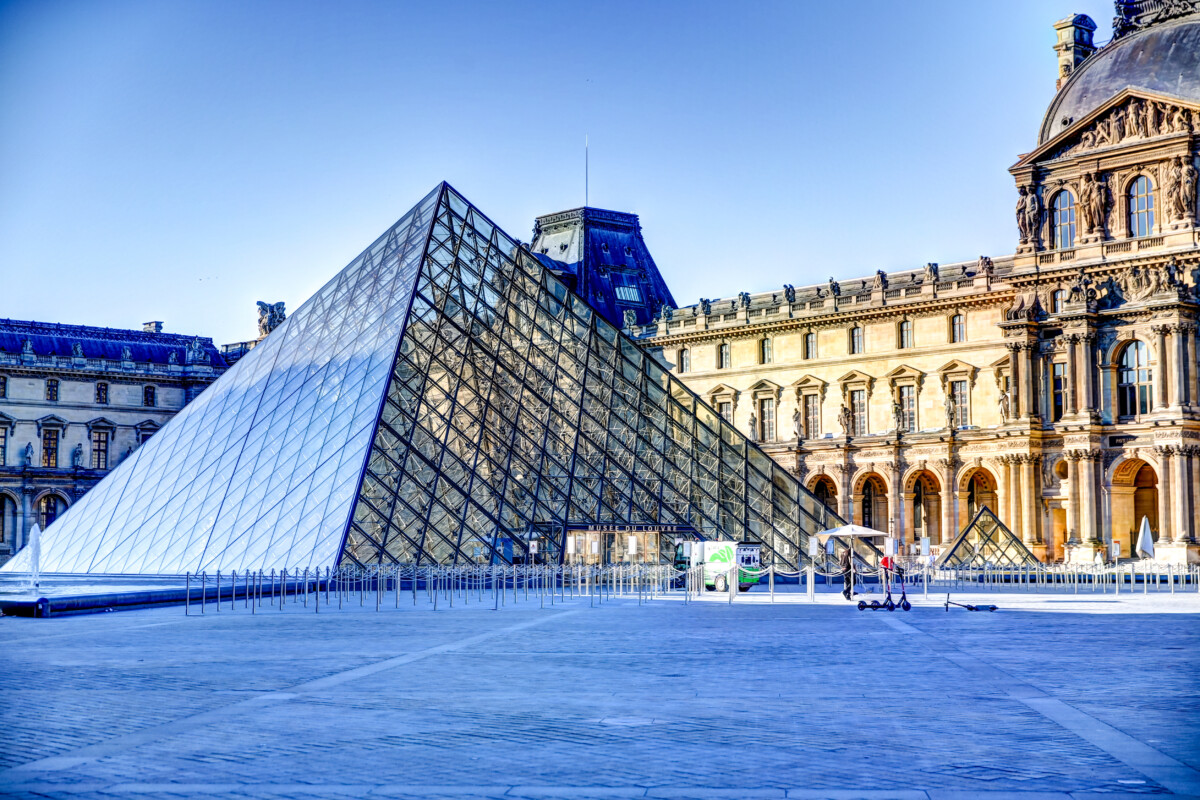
1080,291
986,268
835,288
77,350
789,292
796,426
881,281
1137,118
1005,407
126,354
173,358
949,406
1093,197
27,348
77,456
844,419
1033,216
1187,191
196,352
666,312
270,317
744,299
753,427
27,455
1022,219
630,317
704,306
897,416
930,274
1109,293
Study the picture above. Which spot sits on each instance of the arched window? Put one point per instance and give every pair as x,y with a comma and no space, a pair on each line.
1062,221
764,351
723,356
1141,207
1135,381
49,507
1056,301
856,340
958,329
904,337
685,360
919,506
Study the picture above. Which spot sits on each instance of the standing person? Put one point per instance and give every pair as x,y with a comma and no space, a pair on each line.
846,562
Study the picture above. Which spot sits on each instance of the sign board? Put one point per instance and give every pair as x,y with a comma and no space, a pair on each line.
1116,550
570,545
889,546
924,545
814,546
595,548
632,545
533,546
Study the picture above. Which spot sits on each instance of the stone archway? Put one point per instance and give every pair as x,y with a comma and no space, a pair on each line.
1134,494
977,488
47,508
824,488
10,522
871,502
923,500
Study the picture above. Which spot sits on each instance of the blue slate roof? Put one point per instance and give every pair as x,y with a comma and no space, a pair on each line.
51,338
598,251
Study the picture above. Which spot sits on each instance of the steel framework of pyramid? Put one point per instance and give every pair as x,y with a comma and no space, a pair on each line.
987,542
444,392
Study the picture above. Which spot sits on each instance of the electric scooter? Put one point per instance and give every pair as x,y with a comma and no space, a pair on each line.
888,603
968,606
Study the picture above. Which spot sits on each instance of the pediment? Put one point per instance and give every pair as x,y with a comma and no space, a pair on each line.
809,382
904,371
147,425
855,376
765,385
51,421
6,421
101,423
957,369
1128,118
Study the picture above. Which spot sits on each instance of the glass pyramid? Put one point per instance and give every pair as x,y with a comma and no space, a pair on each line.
986,542
444,399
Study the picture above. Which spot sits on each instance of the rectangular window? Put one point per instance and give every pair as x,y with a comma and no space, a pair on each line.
908,409
149,396
812,417
810,346
858,412
102,394
1060,392
3,446
50,448
856,341
3,386
626,288
764,351
766,419
99,449
725,409
685,360
906,335
958,329
962,410
52,390
723,356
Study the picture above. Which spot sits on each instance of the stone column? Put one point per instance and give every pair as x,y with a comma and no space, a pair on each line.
1014,386
1179,366
1194,532
1029,511
1193,368
1087,366
1072,533
1164,370
1087,497
1073,372
26,524
1165,489
1014,494
1182,502
1029,380
896,506
949,522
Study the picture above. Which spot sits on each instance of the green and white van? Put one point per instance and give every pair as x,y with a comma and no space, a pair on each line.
718,559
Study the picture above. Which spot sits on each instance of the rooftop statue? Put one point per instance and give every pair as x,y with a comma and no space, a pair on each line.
270,317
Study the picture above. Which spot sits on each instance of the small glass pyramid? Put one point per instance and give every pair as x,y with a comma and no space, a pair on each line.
444,399
986,542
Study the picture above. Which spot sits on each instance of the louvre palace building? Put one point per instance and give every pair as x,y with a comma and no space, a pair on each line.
1056,385
455,396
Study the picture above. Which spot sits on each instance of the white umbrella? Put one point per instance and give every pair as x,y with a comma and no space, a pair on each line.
1145,542
850,531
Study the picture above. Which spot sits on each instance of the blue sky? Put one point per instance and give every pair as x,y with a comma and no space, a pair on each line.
180,160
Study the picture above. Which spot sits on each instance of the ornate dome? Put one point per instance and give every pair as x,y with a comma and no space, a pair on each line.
1163,58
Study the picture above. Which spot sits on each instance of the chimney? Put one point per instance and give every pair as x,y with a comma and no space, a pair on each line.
152,327
1074,44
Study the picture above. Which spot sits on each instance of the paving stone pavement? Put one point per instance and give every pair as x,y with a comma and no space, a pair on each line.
1051,697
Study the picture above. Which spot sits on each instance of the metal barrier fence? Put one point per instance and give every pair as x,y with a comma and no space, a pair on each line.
498,586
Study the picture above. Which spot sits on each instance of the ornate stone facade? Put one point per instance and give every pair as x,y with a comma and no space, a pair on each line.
75,401
1057,386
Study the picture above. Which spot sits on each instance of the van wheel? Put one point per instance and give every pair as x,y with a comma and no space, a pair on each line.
720,584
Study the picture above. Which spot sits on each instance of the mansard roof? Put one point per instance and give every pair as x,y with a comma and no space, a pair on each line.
50,338
1161,59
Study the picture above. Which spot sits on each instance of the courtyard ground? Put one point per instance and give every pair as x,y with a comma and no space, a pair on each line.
1053,696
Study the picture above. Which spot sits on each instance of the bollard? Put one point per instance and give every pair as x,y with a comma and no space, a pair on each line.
218,591
771,581
187,597
203,590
